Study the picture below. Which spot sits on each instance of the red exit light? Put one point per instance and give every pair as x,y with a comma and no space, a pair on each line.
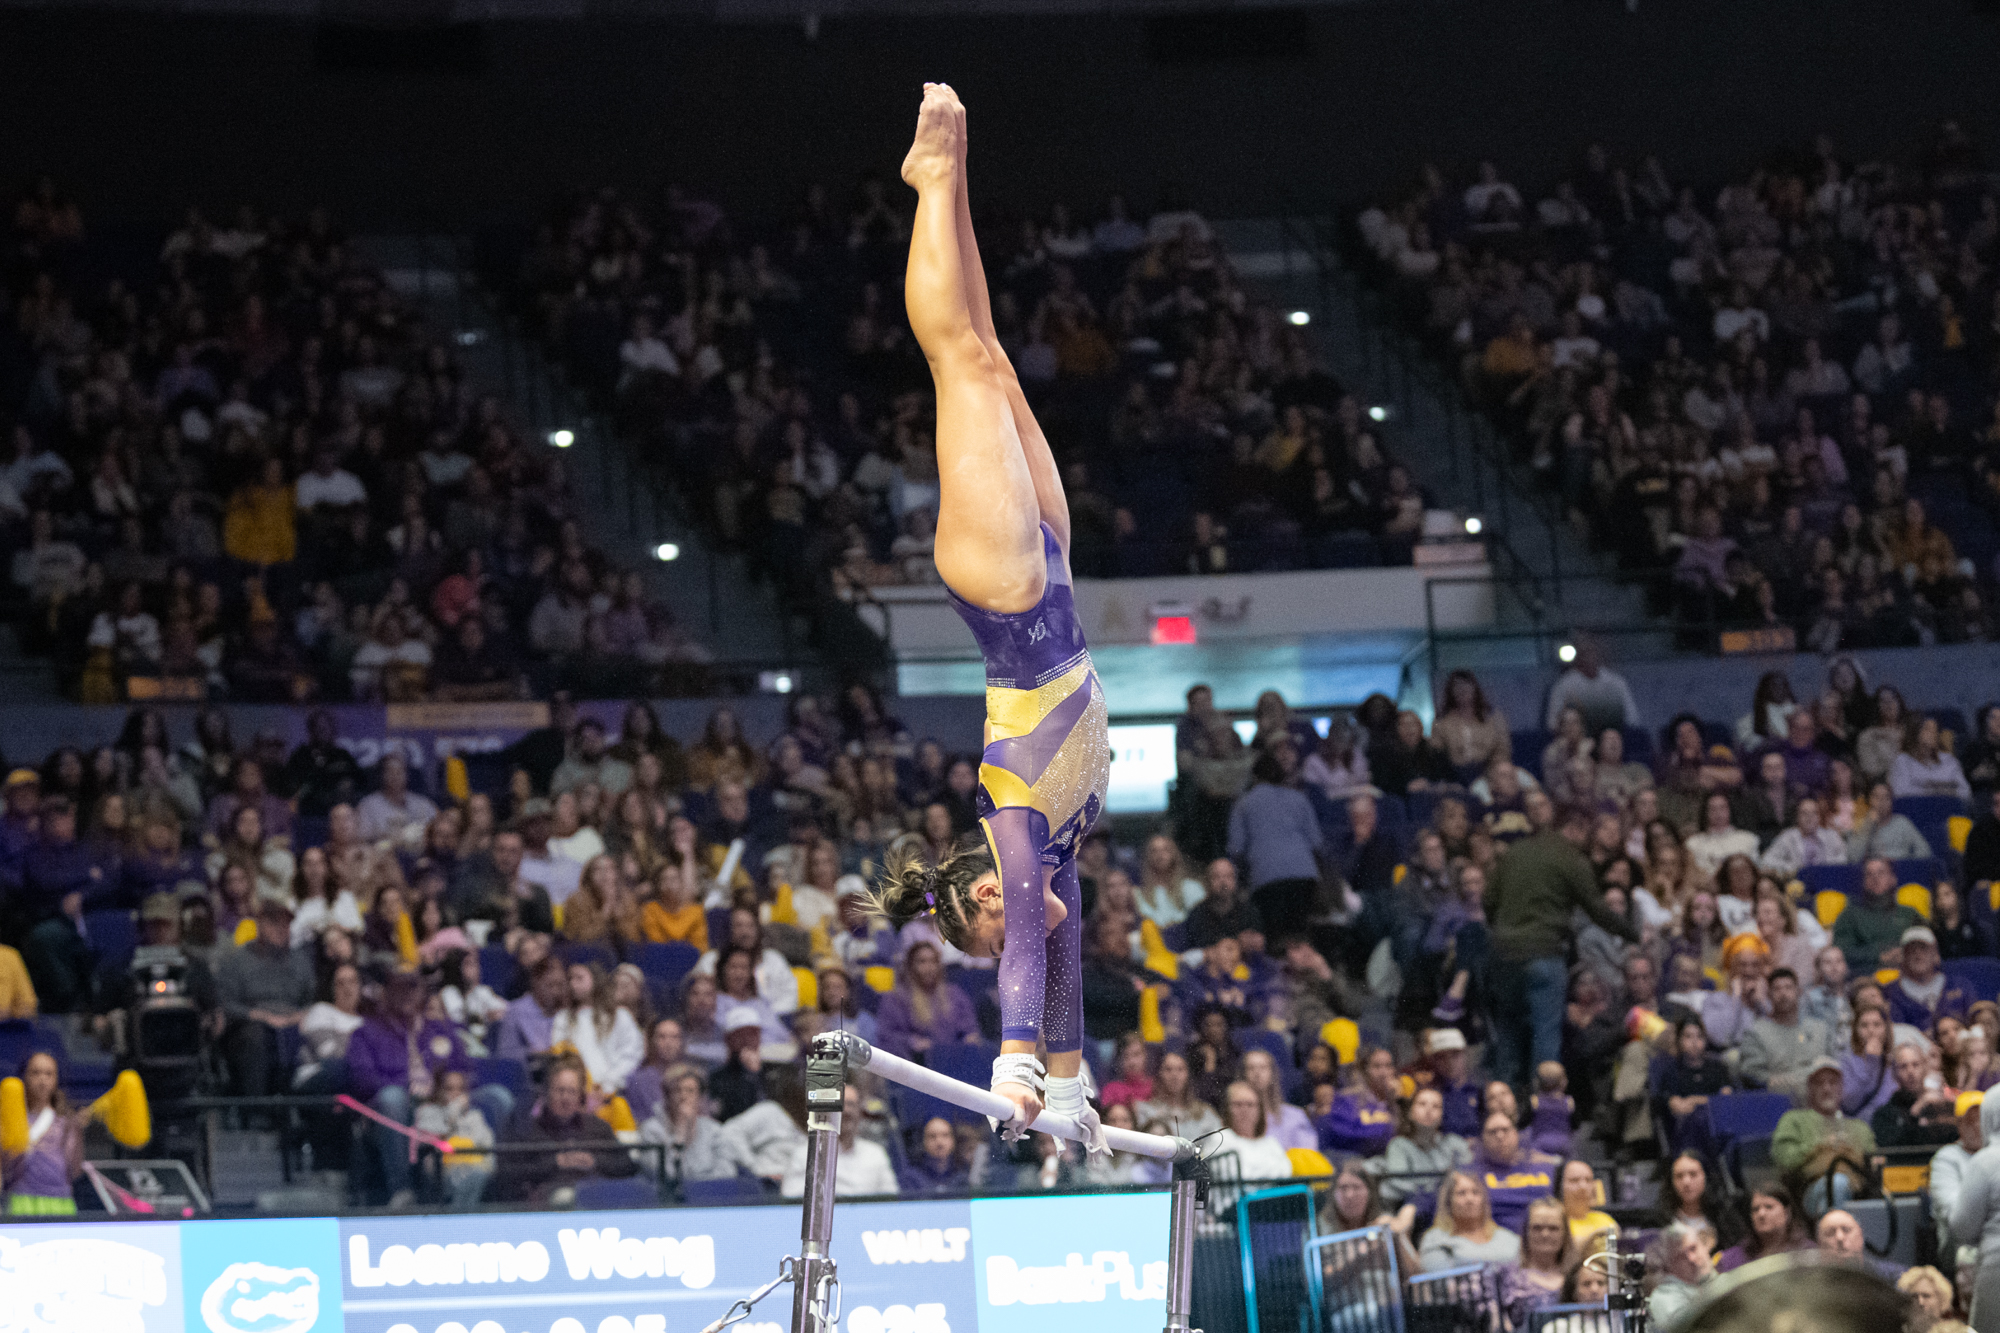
1173,629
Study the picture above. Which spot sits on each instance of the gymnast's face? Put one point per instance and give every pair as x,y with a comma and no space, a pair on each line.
987,934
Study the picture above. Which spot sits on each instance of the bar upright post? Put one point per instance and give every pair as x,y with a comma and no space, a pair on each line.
1189,1195
815,1288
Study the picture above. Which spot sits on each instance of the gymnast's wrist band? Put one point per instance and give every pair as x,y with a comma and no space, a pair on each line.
1020,1068
1064,1096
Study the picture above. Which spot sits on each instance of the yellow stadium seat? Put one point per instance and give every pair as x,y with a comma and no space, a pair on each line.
1151,1030
1828,904
808,987
246,930
1344,1035
1957,829
1916,896
1795,890
456,780
1886,975
1396,875
1159,958
880,979
1993,895
617,1113
781,912
1309,1162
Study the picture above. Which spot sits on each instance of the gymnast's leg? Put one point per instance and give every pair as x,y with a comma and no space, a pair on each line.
989,541
1049,497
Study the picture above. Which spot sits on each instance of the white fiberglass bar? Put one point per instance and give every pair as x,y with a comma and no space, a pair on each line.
986,1102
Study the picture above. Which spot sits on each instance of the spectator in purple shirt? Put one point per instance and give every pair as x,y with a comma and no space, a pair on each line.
246,787
1363,1119
1806,765
924,1010
393,1061
1515,1175
528,1026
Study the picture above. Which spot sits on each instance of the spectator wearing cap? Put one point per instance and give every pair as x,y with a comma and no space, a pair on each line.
263,987
393,1063
1949,1164
1923,994
863,1168
1812,1137
61,879
582,1146
20,824
1870,929
1450,1061
590,761
739,1084
1781,1048
395,814
246,787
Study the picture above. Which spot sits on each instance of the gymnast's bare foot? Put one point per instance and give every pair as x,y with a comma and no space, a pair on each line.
939,147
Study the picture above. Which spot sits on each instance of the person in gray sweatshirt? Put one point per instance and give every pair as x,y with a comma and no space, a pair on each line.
1417,1158
1948,1167
1975,1218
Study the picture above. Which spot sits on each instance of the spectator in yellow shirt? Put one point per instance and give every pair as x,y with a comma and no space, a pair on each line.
260,526
668,915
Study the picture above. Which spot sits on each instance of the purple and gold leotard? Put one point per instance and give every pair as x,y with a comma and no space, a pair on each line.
1042,781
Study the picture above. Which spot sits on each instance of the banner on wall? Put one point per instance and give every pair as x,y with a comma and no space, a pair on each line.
1074,1264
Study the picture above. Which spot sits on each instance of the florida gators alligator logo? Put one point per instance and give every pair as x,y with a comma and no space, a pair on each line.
258,1298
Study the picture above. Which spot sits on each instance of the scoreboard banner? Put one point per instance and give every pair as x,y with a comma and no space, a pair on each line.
1057,1264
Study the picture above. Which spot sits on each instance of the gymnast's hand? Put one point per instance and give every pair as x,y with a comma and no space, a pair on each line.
1017,1076
1027,1103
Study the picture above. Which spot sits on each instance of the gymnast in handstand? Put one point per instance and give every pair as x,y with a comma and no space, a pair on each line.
1003,552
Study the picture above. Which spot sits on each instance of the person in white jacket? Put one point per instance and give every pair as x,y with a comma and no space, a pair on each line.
1808,842
607,1039
863,1169
1975,1218
776,981
765,1136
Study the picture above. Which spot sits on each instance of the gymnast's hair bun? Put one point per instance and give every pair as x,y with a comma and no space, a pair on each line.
912,886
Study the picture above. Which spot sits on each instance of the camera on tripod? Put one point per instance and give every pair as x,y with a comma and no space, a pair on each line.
164,1021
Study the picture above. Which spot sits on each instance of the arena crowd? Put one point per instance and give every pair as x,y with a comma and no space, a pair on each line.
239,467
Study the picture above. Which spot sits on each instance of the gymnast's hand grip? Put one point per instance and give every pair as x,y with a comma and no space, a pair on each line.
1017,1077
1066,1099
